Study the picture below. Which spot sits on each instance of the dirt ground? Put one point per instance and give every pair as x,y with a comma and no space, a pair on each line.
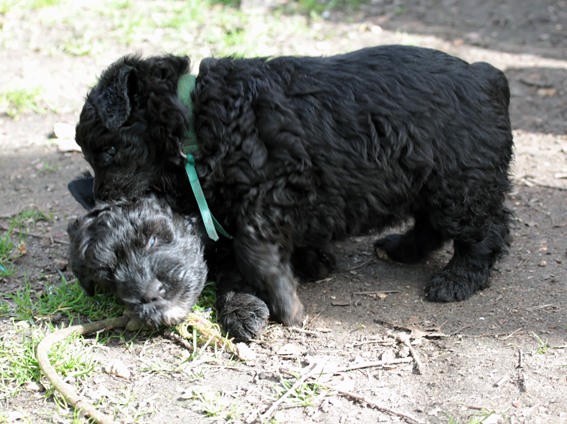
503,351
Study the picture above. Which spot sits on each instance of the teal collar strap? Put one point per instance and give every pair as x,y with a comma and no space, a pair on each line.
185,86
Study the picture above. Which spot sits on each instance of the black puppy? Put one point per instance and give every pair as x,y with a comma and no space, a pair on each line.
296,151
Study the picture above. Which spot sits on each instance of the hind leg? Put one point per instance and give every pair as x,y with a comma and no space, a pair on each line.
472,262
414,245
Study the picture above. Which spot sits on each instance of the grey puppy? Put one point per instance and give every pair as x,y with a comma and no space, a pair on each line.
149,256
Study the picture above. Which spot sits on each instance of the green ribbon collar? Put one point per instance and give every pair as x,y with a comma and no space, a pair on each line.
185,86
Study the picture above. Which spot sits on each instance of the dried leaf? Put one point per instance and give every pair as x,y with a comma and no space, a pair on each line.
289,350
547,92
244,352
22,248
60,264
33,386
118,368
340,303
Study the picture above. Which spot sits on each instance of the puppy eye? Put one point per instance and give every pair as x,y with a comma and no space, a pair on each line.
111,150
152,242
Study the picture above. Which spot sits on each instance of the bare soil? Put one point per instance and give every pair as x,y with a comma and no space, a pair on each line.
503,350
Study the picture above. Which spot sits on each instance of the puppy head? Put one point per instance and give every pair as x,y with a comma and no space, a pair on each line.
131,126
150,257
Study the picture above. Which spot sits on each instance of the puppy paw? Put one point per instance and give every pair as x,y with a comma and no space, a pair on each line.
243,316
446,286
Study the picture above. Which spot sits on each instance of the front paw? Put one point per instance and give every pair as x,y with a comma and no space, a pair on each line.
243,316
446,286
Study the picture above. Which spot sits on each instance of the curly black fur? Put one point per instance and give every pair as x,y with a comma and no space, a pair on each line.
297,151
149,256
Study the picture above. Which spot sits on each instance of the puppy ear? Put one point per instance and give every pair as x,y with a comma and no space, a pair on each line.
171,67
115,104
76,259
82,190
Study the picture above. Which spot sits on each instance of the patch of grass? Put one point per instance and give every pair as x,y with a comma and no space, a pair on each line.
212,404
38,4
7,247
304,395
4,308
316,7
400,10
30,216
127,406
543,346
49,169
477,418
67,299
72,359
22,100
7,5
84,44
19,365
198,28
207,301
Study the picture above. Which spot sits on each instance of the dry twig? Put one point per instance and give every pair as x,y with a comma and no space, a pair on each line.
374,405
302,330
369,365
178,339
405,339
378,292
65,389
535,182
359,266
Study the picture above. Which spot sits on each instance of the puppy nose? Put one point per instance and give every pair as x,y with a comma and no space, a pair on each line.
154,291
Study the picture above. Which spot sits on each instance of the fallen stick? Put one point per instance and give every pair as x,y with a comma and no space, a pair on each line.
512,333
406,341
375,405
532,181
58,383
369,365
178,339
359,266
301,330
